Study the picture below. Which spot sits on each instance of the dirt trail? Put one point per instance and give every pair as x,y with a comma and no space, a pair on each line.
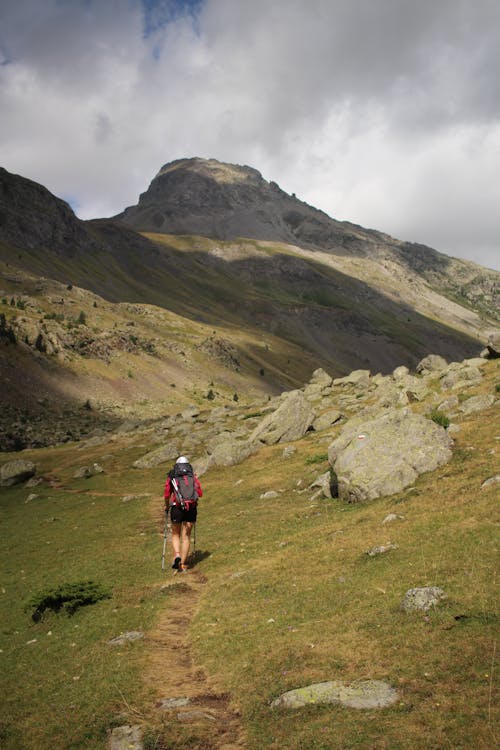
181,690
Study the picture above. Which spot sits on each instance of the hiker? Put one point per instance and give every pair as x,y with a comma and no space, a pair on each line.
182,490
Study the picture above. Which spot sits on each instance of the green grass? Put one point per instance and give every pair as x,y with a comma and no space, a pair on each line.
291,598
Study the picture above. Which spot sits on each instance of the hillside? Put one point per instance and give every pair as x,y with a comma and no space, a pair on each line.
198,660
138,324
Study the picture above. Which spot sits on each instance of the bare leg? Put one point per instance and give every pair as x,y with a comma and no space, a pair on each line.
176,539
187,527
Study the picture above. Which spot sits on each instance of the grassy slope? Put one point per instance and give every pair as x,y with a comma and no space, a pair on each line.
291,598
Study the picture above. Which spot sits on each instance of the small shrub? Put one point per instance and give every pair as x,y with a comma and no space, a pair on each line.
440,418
497,387
210,395
82,319
236,397
318,458
262,372
67,597
130,374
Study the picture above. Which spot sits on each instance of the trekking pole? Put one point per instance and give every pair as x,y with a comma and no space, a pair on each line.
164,541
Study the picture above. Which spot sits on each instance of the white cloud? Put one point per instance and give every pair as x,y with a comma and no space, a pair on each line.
382,113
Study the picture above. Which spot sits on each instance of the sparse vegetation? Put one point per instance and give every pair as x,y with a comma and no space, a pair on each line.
440,418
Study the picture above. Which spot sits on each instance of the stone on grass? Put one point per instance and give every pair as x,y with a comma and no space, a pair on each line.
168,703
132,635
422,599
477,403
289,422
85,472
391,518
381,549
386,454
289,451
270,495
489,482
126,738
324,482
15,472
365,694
128,498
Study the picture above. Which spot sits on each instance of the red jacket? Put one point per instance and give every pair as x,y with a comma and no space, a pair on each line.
169,493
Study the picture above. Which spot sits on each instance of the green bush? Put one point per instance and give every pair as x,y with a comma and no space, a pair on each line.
318,458
67,597
440,418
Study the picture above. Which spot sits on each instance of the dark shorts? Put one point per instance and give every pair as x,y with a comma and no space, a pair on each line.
177,515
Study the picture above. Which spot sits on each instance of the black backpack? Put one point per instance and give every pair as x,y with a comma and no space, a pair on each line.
183,475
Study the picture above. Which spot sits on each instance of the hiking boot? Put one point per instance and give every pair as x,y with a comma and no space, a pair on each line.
176,563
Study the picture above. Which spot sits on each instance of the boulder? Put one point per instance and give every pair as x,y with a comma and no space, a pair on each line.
491,481
85,472
460,376
320,377
17,471
325,420
477,403
400,373
159,456
493,345
232,452
357,377
365,694
324,482
381,549
431,363
127,737
422,599
384,455
289,422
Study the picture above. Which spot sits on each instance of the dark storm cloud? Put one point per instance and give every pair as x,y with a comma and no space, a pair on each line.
384,112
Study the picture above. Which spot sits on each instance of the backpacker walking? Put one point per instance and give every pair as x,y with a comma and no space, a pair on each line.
182,490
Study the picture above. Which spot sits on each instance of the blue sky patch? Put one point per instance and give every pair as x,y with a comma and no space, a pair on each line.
159,13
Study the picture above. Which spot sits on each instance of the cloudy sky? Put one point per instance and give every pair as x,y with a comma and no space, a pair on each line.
382,112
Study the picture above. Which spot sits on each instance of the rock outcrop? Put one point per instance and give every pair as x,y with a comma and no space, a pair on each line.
290,421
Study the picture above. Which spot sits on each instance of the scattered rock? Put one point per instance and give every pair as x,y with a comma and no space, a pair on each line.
232,452
132,635
31,497
269,495
155,458
380,550
128,498
195,716
15,472
325,420
489,482
85,472
386,454
357,377
431,363
477,403
493,345
320,377
460,378
289,451
289,422
169,703
324,482
391,518
126,738
365,694
422,599
400,373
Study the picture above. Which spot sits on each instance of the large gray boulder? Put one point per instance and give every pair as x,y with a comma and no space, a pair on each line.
15,472
290,421
387,453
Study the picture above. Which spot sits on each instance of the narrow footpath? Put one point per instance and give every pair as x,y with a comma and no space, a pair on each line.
181,691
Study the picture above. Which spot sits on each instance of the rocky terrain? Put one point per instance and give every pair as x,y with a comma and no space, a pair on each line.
111,320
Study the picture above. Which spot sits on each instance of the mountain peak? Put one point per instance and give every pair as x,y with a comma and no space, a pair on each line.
220,172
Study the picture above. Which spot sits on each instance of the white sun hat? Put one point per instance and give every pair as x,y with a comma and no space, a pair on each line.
182,460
